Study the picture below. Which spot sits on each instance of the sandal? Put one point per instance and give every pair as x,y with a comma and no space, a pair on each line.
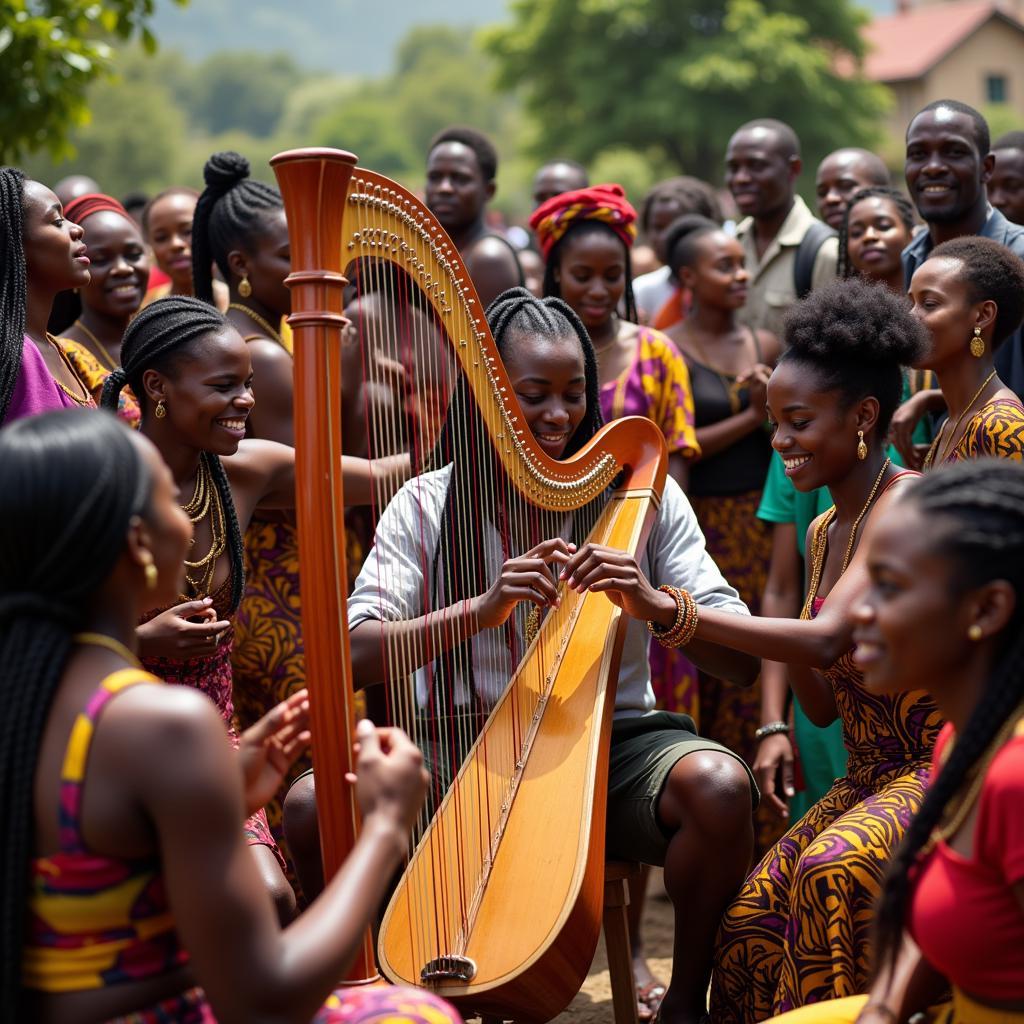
648,1001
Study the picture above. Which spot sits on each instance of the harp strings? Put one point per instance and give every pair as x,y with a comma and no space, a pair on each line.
441,692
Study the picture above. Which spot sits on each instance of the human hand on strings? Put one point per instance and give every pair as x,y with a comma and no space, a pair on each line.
525,578
270,747
188,630
617,574
773,769
755,381
390,779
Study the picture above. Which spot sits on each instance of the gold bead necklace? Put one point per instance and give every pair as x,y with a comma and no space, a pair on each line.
933,448
258,320
206,503
819,542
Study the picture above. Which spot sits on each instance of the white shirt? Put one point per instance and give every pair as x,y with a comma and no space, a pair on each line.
399,570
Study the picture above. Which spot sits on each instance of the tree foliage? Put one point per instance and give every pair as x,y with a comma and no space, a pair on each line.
678,76
50,51
440,78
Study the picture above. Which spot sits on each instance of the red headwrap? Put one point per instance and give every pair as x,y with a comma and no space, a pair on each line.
604,203
85,206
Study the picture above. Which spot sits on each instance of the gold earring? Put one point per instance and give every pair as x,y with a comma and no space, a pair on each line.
150,571
244,288
977,344
161,410
974,633
862,448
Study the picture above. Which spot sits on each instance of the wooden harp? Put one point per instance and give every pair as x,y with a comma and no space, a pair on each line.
499,908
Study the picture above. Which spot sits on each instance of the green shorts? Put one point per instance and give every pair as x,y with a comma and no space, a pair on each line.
644,750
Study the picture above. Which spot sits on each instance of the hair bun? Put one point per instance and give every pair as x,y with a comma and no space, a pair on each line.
223,171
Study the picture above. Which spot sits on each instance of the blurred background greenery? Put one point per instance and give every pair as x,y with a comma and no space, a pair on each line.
636,89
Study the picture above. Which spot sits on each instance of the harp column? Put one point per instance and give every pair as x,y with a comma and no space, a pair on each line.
314,184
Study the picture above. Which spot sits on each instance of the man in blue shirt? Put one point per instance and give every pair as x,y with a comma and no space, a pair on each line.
948,165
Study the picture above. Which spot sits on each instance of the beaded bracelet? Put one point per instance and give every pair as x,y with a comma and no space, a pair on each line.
681,632
771,729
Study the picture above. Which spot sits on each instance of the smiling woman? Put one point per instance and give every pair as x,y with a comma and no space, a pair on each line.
192,372
781,944
119,272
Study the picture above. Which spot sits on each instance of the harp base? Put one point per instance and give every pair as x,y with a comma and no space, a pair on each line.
449,967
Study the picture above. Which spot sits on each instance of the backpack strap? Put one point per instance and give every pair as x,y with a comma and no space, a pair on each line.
806,254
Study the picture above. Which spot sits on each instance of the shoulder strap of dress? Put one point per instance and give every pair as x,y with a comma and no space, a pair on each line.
72,773
899,476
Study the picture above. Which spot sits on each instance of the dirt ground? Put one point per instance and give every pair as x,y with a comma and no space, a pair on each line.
593,1005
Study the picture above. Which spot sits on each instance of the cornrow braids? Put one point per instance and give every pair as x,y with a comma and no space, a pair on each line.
580,229
904,208
977,509
230,213
70,483
13,281
153,341
464,443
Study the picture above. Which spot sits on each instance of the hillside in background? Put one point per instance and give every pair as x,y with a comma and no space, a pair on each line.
339,36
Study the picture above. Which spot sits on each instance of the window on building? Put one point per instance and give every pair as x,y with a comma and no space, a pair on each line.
995,88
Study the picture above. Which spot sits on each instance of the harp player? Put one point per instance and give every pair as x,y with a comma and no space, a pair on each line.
674,798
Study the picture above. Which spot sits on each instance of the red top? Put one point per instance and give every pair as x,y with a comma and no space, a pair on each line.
964,914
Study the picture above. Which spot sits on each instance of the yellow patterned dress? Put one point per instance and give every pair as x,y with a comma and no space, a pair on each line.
995,430
799,930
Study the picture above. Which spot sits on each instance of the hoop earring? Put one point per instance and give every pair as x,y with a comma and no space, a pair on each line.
862,448
977,344
161,410
244,288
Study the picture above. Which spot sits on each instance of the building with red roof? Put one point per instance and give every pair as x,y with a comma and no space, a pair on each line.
970,50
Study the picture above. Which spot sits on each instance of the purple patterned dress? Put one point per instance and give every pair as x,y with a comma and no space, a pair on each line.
799,930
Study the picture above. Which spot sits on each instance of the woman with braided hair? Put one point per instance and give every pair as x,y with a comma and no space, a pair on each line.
675,798
192,373
944,610
125,881
41,255
586,237
239,226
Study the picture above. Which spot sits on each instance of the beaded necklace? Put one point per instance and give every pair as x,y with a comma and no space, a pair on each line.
205,502
819,542
258,320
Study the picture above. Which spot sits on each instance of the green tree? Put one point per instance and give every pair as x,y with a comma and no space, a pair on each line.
243,91
440,78
50,52
678,76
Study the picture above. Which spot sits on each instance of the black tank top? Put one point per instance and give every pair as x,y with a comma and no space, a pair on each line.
741,467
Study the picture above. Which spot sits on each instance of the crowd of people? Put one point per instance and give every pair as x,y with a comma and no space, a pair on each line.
819,713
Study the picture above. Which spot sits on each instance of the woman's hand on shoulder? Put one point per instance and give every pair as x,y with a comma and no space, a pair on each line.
605,570
270,747
525,578
185,631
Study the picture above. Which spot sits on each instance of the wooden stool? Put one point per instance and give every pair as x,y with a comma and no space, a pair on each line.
617,875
